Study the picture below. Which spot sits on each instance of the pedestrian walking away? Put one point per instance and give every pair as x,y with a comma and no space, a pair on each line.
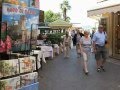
78,37
99,40
85,47
66,45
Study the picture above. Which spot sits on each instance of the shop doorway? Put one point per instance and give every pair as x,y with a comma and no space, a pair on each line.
116,35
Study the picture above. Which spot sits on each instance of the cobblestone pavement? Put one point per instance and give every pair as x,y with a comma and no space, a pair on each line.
67,74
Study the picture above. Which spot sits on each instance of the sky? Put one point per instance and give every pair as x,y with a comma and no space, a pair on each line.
78,12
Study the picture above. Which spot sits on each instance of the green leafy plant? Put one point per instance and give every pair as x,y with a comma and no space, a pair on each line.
50,16
65,6
55,38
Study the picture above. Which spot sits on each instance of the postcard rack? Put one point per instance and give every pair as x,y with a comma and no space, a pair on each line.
18,73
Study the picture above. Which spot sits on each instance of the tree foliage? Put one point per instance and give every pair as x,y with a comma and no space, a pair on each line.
64,6
68,19
55,38
50,16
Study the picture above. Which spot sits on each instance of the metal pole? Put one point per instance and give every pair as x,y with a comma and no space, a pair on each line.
0,25
6,36
1,16
31,37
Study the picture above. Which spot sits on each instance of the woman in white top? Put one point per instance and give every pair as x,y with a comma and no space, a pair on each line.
66,44
85,47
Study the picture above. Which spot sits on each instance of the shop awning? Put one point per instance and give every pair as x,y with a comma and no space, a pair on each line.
107,8
60,24
43,27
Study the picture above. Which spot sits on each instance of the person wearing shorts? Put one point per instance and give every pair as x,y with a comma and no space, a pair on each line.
99,39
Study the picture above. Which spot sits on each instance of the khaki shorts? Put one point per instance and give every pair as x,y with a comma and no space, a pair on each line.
101,53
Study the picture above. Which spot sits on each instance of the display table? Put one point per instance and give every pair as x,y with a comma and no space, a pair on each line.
47,51
40,56
40,42
56,48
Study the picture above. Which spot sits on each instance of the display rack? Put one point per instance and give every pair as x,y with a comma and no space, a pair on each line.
18,72
18,65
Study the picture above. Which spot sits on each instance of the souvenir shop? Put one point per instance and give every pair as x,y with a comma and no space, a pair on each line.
19,62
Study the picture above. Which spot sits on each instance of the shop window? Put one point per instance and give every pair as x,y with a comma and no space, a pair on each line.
117,35
103,22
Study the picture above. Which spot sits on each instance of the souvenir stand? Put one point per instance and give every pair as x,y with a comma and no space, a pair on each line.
18,67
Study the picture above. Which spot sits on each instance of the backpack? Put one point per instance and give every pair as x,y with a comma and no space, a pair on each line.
105,37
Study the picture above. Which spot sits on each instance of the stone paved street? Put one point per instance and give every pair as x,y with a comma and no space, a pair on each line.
67,74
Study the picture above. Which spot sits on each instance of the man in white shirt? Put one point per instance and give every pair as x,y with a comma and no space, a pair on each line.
99,39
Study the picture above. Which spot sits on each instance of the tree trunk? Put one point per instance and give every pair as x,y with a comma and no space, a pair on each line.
64,14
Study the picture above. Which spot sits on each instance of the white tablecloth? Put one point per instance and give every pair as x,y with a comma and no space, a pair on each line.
56,47
39,57
40,42
47,51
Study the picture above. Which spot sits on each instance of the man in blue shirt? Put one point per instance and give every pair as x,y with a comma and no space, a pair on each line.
99,39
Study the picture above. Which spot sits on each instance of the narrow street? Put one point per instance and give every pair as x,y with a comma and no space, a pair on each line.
67,74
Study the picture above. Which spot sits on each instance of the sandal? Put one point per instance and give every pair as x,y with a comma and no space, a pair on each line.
86,72
102,68
98,69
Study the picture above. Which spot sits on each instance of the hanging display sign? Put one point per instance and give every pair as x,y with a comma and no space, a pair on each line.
19,21
15,2
9,9
22,3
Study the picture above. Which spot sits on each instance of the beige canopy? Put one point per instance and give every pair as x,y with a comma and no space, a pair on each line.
60,24
103,8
